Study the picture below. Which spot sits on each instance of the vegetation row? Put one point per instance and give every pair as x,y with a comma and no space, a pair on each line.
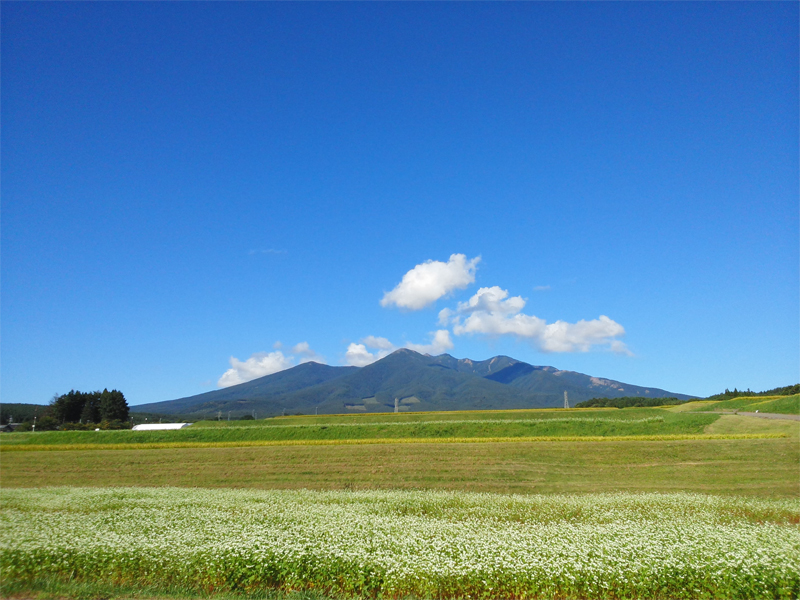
600,423
405,544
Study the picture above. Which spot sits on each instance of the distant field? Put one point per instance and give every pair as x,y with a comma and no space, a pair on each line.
494,424
788,405
760,467
739,424
775,404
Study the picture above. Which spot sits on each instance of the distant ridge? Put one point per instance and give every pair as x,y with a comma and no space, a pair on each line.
407,379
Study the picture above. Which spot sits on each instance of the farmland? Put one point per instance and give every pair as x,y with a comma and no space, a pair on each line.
598,502
400,544
789,405
488,424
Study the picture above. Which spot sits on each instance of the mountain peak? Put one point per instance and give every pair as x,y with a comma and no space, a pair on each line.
420,382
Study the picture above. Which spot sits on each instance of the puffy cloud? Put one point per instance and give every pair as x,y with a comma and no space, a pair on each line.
358,355
264,363
440,343
427,282
307,354
258,365
581,336
493,299
491,312
378,343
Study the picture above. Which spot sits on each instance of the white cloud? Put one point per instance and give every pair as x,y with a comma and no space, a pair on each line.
258,365
491,312
440,343
266,363
427,282
618,347
444,316
542,288
378,343
307,354
266,251
358,355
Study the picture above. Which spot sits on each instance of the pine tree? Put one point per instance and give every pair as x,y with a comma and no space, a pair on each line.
113,406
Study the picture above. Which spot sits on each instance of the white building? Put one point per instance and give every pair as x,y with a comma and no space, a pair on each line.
160,426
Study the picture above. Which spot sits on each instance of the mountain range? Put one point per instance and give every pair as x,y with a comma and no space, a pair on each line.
405,381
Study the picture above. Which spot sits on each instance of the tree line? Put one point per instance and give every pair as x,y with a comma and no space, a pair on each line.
627,402
788,390
80,410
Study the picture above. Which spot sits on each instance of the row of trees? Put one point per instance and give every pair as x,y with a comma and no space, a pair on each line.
89,407
789,390
627,402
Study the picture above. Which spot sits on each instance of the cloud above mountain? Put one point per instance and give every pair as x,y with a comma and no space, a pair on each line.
358,355
491,312
427,282
266,363
439,344
374,348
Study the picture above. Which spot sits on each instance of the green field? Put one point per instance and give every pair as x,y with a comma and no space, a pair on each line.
769,404
489,424
788,405
405,544
147,522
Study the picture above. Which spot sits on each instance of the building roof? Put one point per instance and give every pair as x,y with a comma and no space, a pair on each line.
159,426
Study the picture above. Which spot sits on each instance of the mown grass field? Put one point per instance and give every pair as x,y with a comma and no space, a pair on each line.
638,549
760,467
489,424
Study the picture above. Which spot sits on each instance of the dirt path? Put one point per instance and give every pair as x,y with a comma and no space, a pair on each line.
761,415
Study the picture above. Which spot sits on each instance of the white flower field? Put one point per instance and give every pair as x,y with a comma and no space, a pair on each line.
379,544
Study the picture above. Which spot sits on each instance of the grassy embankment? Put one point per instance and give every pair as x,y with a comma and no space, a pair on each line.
490,425
787,405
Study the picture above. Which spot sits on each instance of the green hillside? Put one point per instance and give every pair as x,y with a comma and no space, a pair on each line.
742,403
20,412
788,405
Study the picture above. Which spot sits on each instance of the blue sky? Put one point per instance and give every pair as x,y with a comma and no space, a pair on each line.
185,184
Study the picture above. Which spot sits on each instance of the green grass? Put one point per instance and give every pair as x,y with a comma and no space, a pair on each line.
490,424
402,544
788,405
47,588
761,467
751,404
740,424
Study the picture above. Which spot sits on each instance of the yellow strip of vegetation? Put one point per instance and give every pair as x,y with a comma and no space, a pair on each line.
359,442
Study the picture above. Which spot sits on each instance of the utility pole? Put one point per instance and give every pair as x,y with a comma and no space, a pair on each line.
396,405
229,415
566,399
